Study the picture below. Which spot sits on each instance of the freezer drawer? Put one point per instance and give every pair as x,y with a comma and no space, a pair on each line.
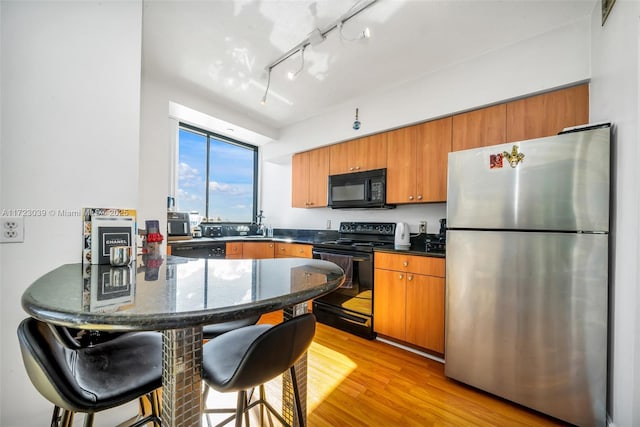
526,319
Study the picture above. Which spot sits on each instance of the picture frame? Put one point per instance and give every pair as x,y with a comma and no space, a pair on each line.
607,5
97,222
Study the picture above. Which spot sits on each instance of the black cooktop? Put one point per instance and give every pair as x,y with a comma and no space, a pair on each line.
362,236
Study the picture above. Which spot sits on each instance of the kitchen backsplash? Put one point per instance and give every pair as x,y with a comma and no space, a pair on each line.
319,219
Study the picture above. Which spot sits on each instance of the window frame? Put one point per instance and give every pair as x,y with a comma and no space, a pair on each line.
213,135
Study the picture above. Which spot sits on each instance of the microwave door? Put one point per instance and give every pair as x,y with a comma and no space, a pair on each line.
347,192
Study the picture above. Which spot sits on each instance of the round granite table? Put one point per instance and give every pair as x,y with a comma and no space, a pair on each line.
178,296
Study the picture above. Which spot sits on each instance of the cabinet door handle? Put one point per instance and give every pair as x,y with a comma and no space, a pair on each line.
351,168
357,168
410,197
410,277
405,264
419,197
400,276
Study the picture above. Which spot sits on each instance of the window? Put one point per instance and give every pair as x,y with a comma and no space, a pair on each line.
216,176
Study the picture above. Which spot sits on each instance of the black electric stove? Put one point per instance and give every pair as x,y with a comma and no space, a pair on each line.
350,307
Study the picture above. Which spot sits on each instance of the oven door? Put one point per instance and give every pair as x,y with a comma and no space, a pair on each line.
356,294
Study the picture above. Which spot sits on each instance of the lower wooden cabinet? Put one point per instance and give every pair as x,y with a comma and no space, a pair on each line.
258,250
293,250
250,250
409,299
233,250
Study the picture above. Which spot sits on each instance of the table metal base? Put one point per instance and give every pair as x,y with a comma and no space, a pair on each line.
182,377
288,400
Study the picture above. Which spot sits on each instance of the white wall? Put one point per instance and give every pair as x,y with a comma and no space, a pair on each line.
614,97
551,60
156,131
70,84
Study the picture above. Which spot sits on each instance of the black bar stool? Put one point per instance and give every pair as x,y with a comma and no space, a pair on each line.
249,357
92,379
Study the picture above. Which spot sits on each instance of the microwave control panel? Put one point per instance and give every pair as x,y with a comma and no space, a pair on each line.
377,191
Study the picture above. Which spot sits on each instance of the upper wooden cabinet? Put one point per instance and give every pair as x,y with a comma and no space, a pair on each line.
359,154
416,156
479,128
548,113
417,162
533,117
310,171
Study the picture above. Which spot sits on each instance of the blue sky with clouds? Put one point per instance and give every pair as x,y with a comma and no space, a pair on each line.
230,182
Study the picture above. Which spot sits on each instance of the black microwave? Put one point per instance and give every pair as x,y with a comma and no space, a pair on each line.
367,189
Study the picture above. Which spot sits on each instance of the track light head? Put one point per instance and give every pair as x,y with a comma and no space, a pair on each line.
266,90
291,75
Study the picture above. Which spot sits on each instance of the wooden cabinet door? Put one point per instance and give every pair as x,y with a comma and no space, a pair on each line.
309,172
318,177
300,180
338,158
389,296
433,144
548,113
429,266
293,250
479,128
368,153
401,165
359,155
257,250
233,250
425,311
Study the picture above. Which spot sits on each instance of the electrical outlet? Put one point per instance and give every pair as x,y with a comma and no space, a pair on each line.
12,229
422,227
328,224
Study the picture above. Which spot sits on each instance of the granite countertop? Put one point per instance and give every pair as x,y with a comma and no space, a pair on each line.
280,235
169,293
304,237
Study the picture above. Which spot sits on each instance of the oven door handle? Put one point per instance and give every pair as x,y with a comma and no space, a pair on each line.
355,320
342,315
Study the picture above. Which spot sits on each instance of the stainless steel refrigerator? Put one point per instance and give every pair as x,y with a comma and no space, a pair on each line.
527,272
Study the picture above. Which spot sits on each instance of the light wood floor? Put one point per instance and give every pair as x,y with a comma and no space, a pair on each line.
357,382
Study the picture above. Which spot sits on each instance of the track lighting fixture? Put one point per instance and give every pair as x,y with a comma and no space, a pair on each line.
318,36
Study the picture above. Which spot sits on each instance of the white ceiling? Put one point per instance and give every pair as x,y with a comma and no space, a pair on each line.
220,48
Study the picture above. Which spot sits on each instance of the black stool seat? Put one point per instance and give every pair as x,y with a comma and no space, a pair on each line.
91,379
249,357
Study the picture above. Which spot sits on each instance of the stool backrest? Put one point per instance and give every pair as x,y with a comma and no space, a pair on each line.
48,363
275,351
